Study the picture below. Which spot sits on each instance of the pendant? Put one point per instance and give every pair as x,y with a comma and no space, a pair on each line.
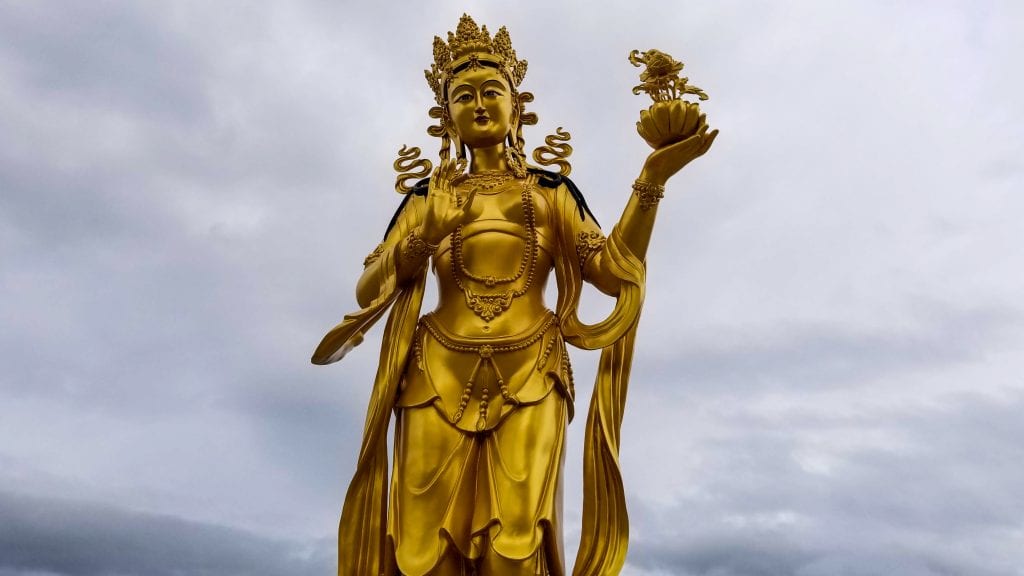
488,306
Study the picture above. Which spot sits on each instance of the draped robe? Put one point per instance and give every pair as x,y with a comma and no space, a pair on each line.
363,546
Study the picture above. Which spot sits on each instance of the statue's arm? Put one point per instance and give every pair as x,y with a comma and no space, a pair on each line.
407,258
595,261
634,227
636,223
637,220
422,222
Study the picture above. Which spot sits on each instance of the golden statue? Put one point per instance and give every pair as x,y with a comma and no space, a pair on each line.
481,387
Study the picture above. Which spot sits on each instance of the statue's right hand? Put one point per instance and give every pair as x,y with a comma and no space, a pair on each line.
444,211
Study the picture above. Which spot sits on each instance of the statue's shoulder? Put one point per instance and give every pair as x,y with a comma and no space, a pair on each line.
419,190
556,181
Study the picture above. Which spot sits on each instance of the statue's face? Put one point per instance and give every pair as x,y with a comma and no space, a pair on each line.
480,106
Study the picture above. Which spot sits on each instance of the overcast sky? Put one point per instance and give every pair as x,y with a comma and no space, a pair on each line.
830,371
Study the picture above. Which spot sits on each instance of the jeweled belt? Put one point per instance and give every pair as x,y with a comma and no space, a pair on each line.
485,349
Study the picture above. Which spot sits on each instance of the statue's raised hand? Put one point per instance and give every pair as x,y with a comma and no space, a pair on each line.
668,159
445,210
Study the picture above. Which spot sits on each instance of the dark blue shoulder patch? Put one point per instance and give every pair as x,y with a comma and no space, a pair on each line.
549,179
419,189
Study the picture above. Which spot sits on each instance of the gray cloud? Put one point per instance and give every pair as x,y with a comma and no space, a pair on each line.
72,538
796,356
927,502
828,370
105,56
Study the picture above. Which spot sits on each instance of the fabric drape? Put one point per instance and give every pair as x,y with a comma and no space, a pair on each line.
362,539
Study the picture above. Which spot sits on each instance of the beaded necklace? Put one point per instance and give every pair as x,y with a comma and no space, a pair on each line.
489,280
488,306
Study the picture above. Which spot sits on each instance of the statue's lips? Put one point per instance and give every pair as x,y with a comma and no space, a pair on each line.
482,120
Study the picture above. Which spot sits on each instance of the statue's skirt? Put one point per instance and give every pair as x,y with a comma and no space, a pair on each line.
478,481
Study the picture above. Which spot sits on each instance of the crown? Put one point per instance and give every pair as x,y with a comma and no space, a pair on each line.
471,46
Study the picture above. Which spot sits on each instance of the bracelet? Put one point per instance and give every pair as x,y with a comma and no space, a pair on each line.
649,194
417,248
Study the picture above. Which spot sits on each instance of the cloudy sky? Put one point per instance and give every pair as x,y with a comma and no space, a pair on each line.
829,373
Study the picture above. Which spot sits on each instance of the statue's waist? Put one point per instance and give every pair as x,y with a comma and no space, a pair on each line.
453,312
475,381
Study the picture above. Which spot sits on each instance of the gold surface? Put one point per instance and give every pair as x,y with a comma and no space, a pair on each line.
481,388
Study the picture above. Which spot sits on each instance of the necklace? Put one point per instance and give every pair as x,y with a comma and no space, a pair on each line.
488,306
484,181
490,281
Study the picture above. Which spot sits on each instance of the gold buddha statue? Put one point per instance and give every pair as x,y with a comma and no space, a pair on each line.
481,387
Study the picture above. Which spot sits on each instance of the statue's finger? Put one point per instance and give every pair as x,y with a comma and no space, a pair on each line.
468,202
689,143
435,179
446,168
460,171
708,141
692,143
449,174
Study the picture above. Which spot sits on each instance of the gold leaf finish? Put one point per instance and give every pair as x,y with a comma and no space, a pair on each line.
480,389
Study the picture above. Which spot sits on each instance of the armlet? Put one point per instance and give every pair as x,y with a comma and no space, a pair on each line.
588,242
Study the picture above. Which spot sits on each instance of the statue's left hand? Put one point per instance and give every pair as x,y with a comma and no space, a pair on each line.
664,162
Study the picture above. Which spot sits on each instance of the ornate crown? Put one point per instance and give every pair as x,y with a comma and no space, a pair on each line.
470,46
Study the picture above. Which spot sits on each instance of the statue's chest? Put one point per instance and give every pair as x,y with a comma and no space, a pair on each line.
522,210
508,207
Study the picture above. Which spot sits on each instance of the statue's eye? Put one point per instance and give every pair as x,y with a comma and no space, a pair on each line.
492,93
464,97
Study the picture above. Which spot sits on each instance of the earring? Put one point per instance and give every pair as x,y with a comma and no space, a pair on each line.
514,161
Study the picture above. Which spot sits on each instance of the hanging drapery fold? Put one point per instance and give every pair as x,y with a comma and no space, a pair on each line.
362,533
605,529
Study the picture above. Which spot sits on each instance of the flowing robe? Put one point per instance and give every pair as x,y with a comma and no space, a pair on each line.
364,548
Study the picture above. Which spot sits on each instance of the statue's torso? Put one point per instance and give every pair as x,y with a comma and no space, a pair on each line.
495,243
528,360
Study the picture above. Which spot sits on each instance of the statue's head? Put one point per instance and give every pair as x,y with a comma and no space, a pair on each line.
475,80
481,107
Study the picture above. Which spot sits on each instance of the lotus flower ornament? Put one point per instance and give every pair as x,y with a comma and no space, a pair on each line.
670,119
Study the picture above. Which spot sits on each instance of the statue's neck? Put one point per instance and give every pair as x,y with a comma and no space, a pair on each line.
488,159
